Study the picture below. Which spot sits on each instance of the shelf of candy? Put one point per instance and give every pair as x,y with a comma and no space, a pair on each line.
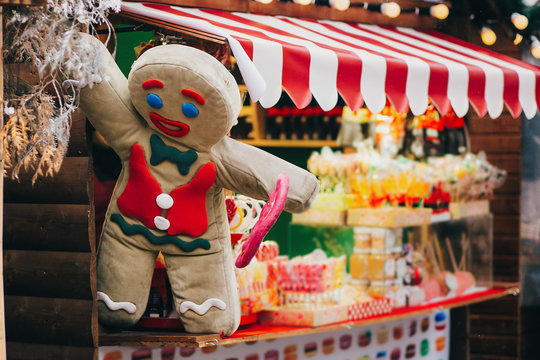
313,293
469,181
257,282
376,190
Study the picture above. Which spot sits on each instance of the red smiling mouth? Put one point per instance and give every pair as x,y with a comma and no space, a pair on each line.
165,125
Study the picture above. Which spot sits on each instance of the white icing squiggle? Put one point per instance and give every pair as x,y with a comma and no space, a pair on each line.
130,308
204,307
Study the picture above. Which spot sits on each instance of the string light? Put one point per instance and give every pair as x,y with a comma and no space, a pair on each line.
302,2
390,9
439,11
518,39
520,21
535,47
264,1
341,5
488,35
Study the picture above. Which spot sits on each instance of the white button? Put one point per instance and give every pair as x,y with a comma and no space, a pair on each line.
164,201
161,223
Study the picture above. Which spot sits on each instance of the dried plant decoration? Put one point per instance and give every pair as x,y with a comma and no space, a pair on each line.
37,116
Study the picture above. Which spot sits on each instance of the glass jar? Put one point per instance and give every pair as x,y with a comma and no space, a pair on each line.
376,289
400,294
358,264
397,237
401,263
360,285
381,266
376,265
378,238
362,238
382,289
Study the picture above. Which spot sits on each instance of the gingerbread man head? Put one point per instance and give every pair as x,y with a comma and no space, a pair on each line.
185,94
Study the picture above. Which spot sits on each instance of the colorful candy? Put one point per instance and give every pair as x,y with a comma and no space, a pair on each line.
375,180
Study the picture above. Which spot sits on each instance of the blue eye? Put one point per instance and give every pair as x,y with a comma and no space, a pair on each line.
154,101
190,110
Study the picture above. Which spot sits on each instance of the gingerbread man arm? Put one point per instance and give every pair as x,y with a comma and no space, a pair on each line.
254,172
107,104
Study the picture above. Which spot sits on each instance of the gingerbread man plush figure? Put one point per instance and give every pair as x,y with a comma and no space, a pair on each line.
168,123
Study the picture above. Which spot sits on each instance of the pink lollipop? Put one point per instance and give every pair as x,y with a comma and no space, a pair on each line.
269,214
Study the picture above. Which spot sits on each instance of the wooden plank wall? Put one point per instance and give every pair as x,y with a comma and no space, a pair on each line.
49,260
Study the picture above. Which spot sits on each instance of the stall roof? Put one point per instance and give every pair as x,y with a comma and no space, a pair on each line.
365,64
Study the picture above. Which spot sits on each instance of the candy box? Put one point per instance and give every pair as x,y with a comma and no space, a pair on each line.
321,217
294,315
460,210
388,217
373,307
330,201
259,301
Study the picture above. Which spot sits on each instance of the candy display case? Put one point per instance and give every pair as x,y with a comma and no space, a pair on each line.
410,265
461,250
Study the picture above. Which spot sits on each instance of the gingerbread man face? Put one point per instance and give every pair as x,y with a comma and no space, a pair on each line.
183,94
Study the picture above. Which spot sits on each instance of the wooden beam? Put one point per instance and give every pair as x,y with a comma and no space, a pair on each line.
53,227
49,321
170,26
25,351
2,316
353,14
23,2
58,274
77,136
69,186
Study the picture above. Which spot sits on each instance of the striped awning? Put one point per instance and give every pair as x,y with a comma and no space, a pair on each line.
365,64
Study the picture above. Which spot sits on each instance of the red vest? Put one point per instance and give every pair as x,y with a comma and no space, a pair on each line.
187,215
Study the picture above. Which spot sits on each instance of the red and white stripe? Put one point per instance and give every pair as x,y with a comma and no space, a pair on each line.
365,64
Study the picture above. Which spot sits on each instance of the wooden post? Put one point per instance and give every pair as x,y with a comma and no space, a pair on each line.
2,326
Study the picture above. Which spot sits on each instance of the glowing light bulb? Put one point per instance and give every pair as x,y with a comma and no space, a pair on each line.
488,36
535,47
390,9
264,1
439,11
340,4
520,21
302,2
518,39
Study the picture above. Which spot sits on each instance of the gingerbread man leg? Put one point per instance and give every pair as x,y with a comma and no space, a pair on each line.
205,292
124,275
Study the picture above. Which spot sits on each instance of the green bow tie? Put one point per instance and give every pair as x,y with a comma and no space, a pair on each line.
162,152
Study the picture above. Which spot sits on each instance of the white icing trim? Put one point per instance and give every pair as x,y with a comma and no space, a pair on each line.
130,308
204,307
